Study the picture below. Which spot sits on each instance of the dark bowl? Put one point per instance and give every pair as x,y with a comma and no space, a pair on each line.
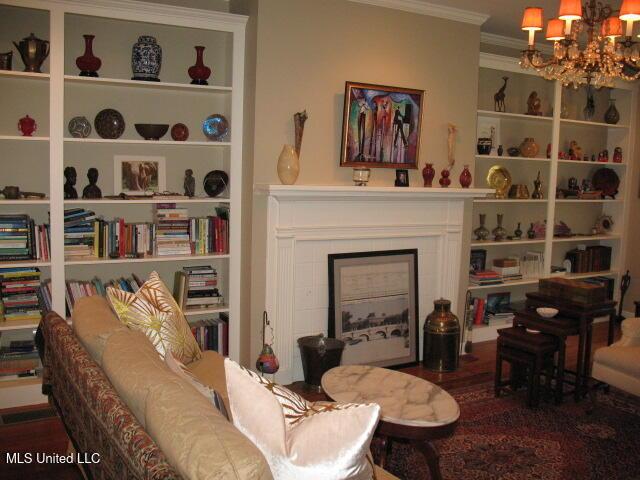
152,131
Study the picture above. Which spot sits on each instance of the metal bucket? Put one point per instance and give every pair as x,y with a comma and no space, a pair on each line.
441,338
319,354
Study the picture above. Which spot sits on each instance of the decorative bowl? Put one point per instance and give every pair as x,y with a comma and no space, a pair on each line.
180,132
513,151
79,127
152,131
215,182
484,146
109,123
547,312
215,127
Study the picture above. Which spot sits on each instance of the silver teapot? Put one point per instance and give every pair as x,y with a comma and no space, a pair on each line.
33,51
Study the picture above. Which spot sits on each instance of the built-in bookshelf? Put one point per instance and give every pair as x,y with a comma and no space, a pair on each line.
562,121
56,95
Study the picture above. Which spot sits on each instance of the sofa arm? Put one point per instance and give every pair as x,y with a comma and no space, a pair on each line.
630,333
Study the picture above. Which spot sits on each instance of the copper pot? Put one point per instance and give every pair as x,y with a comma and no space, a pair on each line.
519,191
441,338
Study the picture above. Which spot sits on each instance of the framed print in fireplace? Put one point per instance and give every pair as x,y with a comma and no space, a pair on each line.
381,126
373,306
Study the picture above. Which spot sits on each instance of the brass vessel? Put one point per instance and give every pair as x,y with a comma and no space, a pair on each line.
441,338
33,51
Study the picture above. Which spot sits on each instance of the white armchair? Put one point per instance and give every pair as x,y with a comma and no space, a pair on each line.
618,365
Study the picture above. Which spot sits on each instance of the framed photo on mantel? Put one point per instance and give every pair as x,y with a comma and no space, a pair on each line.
373,306
381,126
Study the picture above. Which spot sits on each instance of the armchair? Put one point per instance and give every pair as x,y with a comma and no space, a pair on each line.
618,365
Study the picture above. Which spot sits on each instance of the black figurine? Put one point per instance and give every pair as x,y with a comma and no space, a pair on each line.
92,190
70,176
189,183
625,282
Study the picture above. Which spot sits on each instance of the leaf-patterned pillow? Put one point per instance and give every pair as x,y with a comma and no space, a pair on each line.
153,311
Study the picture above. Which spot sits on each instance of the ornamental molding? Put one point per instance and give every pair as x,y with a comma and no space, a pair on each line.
430,9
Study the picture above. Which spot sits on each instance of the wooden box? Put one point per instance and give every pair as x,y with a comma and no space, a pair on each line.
572,290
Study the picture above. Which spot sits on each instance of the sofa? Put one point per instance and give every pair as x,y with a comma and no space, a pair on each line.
116,397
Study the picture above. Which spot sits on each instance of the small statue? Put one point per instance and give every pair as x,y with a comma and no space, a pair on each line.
70,176
499,97
299,120
575,151
92,190
518,232
451,145
534,104
189,183
537,188
500,150
573,184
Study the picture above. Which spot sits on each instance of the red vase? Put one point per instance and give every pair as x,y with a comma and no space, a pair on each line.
445,181
465,177
27,126
88,63
199,73
428,172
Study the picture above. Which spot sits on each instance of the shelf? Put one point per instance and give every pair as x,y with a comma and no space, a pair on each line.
25,201
30,75
586,238
493,243
515,283
605,273
100,82
23,138
486,333
108,201
166,258
509,200
593,164
25,263
142,141
513,116
585,123
20,382
17,324
206,311
584,200
506,157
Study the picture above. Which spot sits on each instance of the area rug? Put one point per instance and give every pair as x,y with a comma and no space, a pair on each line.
499,438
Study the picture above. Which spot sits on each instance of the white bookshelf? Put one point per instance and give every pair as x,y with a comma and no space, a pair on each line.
66,94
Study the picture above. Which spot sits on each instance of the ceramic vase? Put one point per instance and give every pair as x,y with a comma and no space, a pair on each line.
288,165
199,72
482,232
529,148
465,177
499,233
428,172
612,116
518,232
445,181
146,59
500,150
88,63
617,155
531,233
27,126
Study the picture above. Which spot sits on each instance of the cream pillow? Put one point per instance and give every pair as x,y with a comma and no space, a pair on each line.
153,311
301,440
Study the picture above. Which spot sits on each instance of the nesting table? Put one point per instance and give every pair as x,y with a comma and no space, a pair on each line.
413,410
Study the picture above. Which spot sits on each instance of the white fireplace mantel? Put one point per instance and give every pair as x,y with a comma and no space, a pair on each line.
303,224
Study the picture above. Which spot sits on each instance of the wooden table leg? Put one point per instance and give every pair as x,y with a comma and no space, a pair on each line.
560,373
432,456
580,367
386,449
587,359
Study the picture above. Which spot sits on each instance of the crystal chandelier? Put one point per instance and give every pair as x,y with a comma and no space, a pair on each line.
588,44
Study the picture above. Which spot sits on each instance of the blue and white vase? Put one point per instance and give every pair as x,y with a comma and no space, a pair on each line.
146,59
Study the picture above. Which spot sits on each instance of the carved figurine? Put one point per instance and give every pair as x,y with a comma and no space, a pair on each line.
451,145
499,97
575,150
534,105
92,190
70,176
298,120
189,183
537,188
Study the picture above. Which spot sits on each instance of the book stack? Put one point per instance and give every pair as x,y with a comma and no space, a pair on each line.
21,239
117,239
507,268
19,359
594,258
209,235
79,232
212,334
172,230
76,289
197,288
19,288
485,277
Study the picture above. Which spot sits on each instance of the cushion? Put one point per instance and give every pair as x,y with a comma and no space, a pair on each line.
93,322
197,440
209,369
630,333
624,359
153,311
314,441
177,367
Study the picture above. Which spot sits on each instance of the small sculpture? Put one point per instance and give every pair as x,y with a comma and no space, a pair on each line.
499,97
517,233
617,155
575,150
92,190
531,233
500,150
534,104
299,120
451,144
189,183
444,181
70,176
590,108
537,188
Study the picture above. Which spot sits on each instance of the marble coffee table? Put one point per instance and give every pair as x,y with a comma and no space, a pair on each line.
412,409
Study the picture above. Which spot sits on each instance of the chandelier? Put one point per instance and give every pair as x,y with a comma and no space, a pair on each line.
588,44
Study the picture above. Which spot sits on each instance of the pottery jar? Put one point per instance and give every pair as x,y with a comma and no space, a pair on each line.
428,172
529,148
288,165
146,59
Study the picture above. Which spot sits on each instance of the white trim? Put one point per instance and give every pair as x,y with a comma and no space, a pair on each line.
510,42
430,9
342,191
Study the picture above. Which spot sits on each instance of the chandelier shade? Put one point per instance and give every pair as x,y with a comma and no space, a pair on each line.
570,10
630,10
532,19
555,30
612,28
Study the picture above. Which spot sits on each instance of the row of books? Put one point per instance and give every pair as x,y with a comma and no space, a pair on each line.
19,359
494,310
197,287
594,258
22,239
19,288
213,334
76,289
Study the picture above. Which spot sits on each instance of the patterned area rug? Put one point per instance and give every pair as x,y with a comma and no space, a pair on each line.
499,438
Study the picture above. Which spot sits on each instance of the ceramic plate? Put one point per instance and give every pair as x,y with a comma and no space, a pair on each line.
215,127
215,182
607,180
499,179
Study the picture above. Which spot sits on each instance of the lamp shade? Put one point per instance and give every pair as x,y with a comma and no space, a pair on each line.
570,10
630,10
612,27
532,19
555,29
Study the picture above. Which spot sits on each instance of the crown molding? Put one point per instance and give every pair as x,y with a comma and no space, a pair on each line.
513,43
430,9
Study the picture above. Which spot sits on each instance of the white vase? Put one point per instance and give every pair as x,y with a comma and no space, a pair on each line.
288,165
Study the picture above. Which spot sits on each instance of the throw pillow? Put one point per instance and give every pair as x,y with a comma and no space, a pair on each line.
299,439
153,311
177,367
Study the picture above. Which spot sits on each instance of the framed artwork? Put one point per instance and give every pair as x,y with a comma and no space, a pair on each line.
478,261
139,175
499,302
373,306
381,126
402,178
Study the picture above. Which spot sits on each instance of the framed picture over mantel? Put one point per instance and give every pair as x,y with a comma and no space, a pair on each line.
373,306
381,126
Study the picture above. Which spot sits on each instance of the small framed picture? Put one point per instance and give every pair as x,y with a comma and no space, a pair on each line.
139,175
499,302
402,178
478,261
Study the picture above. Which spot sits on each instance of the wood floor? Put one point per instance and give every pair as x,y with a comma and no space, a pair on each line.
48,435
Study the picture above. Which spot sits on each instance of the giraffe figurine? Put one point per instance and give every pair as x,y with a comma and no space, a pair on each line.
499,97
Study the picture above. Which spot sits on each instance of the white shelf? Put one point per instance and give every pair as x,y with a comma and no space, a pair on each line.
109,201
23,138
486,333
584,200
514,116
117,82
585,123
515,283
142,141
493,243
592,164
25,263
18,324
166,258
25,201
205,311
509,200
508,158
29,75
586,238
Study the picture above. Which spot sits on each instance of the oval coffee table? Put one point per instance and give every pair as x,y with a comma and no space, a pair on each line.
412,409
